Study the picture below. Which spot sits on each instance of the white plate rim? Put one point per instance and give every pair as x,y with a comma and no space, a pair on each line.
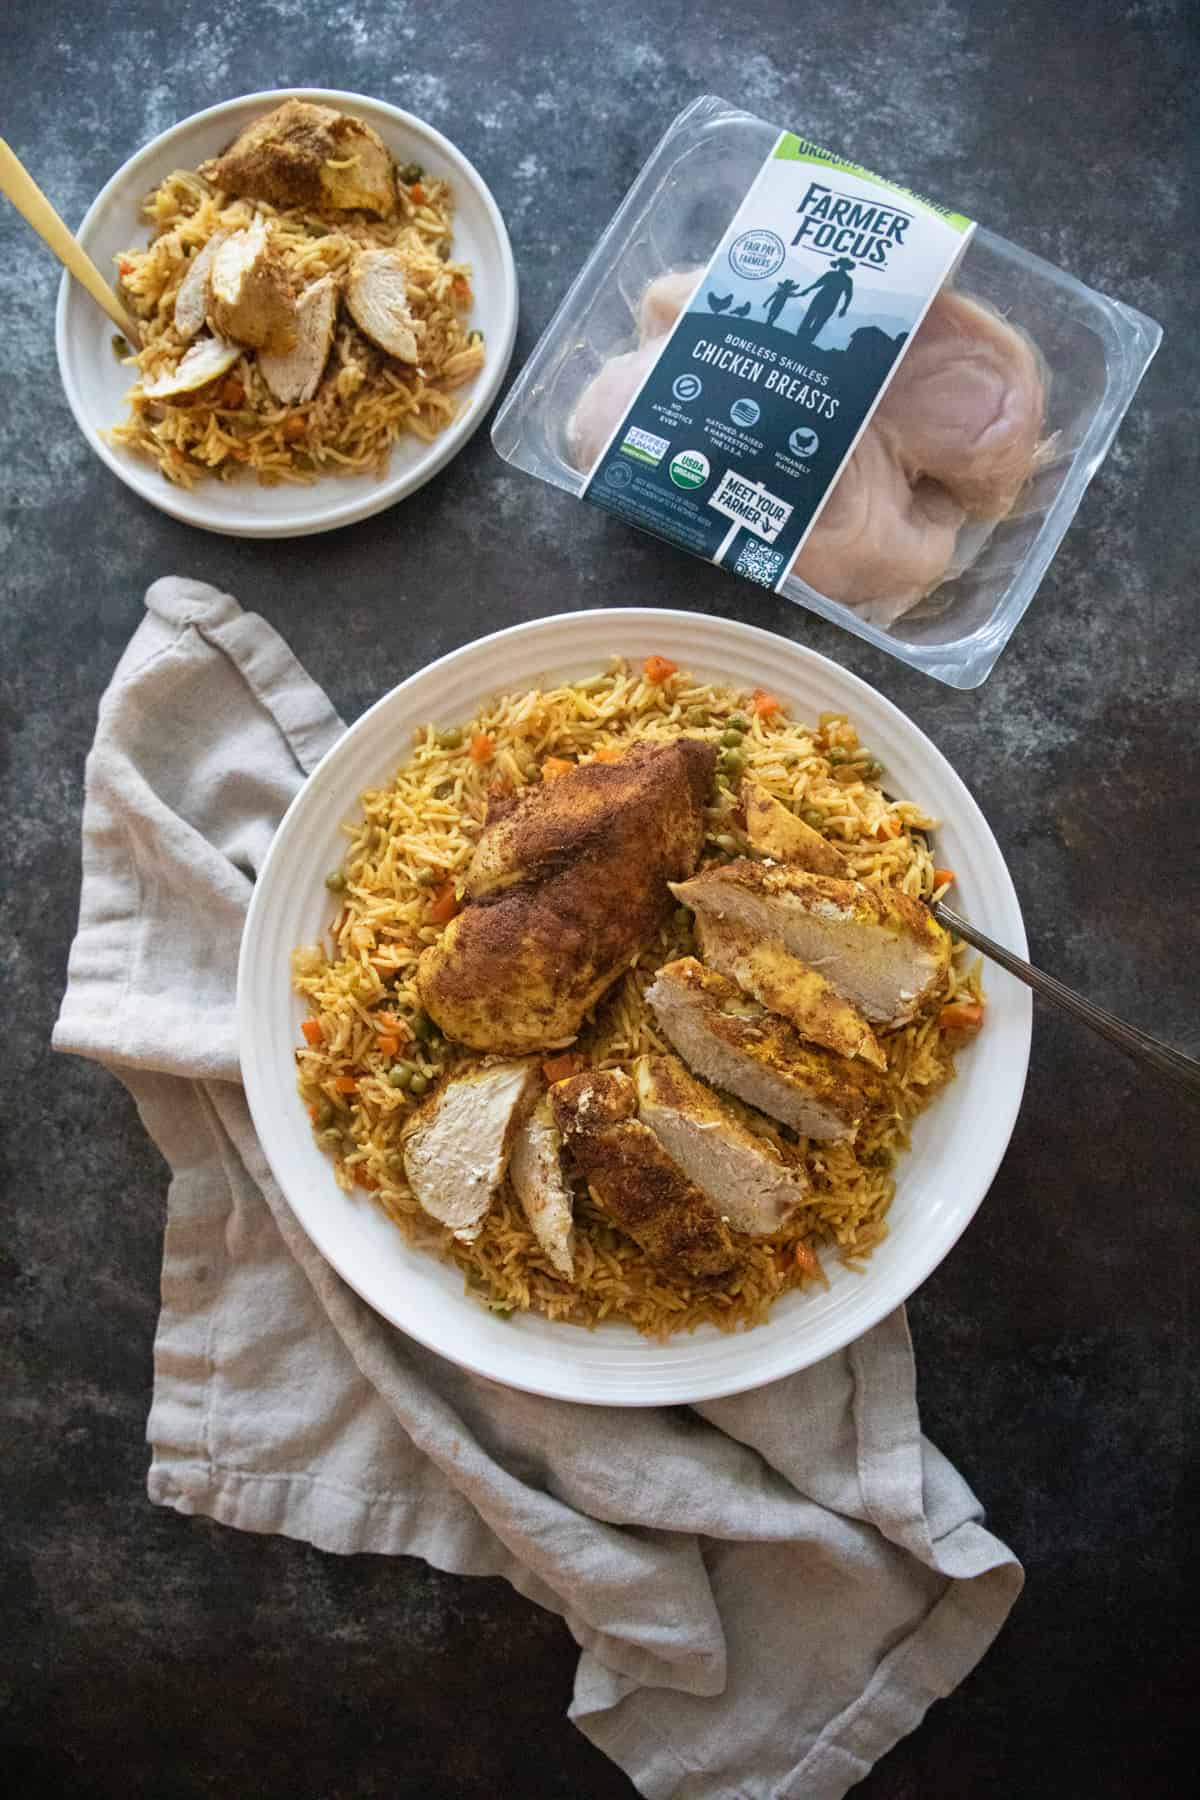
377,496
705,1375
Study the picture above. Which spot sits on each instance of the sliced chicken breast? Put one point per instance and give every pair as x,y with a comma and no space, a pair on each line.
302,154
202,362
535,1171
774,829
880,949
457,1146
294,377
191,302
736,1044
788,987
746,1176
644,1193
377,295
249,293
967,405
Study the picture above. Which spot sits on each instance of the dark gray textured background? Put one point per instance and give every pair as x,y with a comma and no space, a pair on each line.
147,1656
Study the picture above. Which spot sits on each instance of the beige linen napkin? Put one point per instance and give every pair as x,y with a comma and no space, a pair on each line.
768,1591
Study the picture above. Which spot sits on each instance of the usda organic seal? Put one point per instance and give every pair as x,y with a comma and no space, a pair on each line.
689,469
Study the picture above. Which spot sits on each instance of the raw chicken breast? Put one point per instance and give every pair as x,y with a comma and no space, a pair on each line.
967,405
605,401
877,538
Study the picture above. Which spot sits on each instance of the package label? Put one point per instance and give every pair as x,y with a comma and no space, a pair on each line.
740,430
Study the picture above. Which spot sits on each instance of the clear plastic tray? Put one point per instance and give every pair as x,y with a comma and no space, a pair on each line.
1096,351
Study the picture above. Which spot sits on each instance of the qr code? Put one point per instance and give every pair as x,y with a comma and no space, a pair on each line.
759,563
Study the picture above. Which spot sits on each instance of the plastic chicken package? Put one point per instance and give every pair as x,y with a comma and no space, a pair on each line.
830,386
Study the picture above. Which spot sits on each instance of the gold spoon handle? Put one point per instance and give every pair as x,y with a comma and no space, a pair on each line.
32,204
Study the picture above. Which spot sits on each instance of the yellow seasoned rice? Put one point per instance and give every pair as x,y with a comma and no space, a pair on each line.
428,820
366,400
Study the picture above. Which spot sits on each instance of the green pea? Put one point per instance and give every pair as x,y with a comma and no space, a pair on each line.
725,842
410,173
738,722
324,1116
400,1074
837,753
422,1026
813,817
336,881
732,739
424,877
449,739
874,769
733,761
419,1083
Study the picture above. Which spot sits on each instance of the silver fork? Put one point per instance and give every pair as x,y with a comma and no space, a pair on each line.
1139,1044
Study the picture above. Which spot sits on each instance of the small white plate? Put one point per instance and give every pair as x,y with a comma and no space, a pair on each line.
957,1143
96,383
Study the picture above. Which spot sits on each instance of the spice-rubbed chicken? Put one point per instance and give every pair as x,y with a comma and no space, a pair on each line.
457,1145
775,830
535,1171
787,986
643,1191
746,1175
568,884
737,1044
882,950
307,155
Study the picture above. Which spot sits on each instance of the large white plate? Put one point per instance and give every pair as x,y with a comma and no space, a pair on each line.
96,383
957,1144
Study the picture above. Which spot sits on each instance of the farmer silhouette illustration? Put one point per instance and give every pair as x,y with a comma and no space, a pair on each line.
787,290
834,286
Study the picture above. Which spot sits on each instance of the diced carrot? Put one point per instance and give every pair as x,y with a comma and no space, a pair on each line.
961,1021
888,827
312,1031
807,1260
366,1181
766,705
500,790
387,1021
555,766
346,1084
659,668
389,1046
610,753
312,1113
295,427
943,877
124,265
482,748
561,1068
445,905
416,193
232,392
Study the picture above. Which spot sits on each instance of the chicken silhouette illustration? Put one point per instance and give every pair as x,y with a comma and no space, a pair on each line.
719,302
740,312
